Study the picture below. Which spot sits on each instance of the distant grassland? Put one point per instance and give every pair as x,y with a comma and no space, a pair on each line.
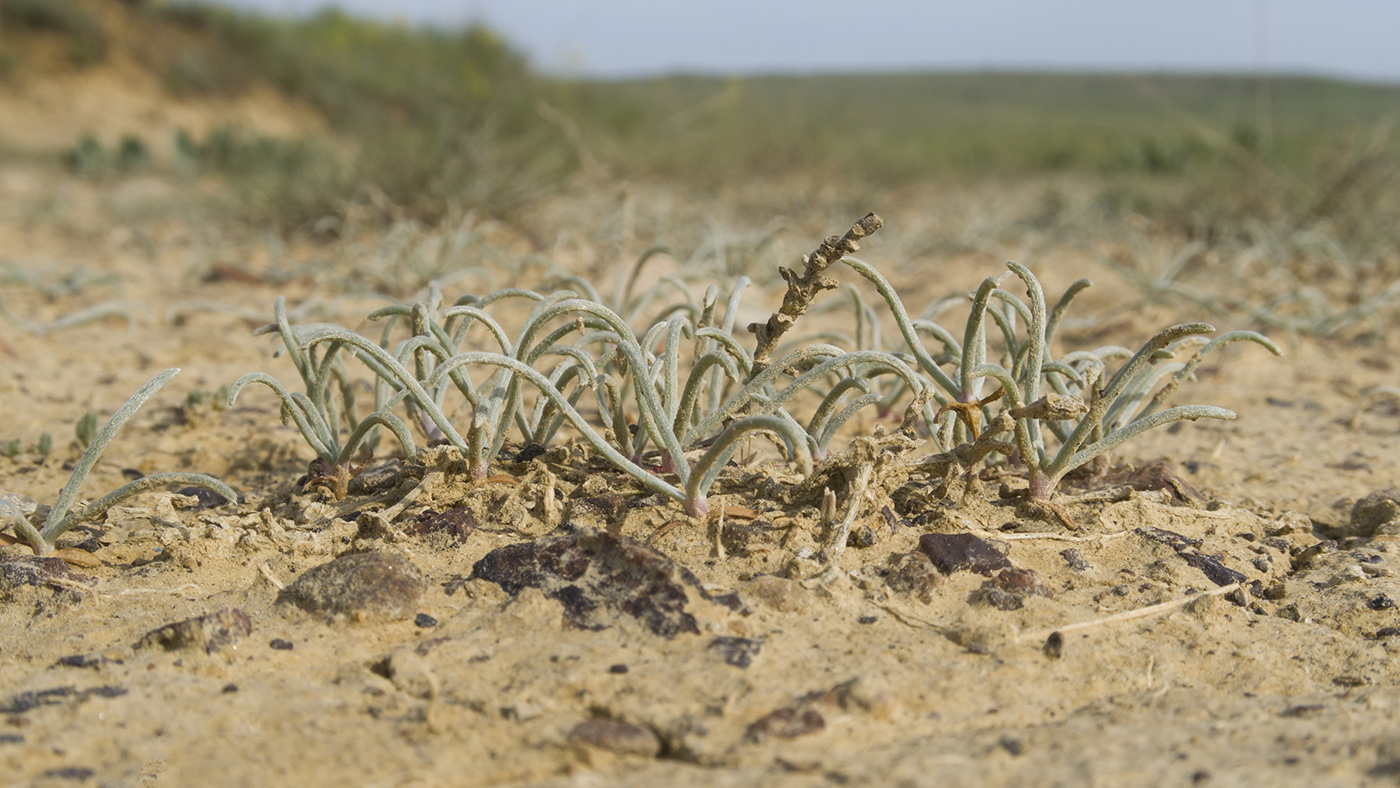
442,118
900,126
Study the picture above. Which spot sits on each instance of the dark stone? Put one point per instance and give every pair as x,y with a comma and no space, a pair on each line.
51,697
953,552
737,536
80,661
208,499
618,669
1075,559
17,571
33,699
1275,591
732,601
786,723
1054,647
456,523
1002,600
616,736
530,452
893,520
229,689
1012,745
597,575
867,619
1289,612
1387,632
360,586
608,506
424,621
1022,581
863,536
380,477
11,738
211,632
1211,567
1156,476
738,652
1380,602
281,645
913,574
1304,558
1171,539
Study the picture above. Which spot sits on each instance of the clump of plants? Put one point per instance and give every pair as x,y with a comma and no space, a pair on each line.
670,398
673,398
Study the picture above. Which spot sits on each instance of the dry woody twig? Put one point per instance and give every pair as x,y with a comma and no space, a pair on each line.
802,291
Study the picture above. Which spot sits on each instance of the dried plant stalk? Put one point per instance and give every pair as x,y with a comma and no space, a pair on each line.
803,290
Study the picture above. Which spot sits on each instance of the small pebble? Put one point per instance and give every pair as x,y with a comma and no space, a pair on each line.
1380,602
424,621
280,644
230,688
619,668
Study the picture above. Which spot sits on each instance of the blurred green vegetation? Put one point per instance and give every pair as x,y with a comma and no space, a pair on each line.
1291,149
88,42
427,122
438,118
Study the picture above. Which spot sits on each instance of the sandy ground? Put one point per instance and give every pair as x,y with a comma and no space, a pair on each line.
722,653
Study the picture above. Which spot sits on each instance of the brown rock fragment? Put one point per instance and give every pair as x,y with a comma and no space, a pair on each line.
210,633
954,552
1022,581
359,586
1377,510
786,723
596,576
913,574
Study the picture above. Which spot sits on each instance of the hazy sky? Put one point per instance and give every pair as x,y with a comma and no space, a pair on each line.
1352,38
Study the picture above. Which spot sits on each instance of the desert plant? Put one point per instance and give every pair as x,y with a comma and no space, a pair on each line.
1085,430
316,413
62,516
658,410
1112,414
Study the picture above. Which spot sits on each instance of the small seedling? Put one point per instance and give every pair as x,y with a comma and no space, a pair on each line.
63,516
86,429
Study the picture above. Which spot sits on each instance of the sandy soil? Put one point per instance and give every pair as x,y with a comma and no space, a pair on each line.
723,653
